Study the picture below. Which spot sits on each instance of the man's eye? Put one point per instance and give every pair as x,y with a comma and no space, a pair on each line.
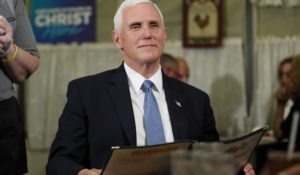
154,25
136,26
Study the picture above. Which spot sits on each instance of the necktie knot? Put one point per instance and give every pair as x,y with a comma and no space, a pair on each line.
147,86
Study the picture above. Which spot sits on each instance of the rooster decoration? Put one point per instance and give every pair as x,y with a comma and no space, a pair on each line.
201,21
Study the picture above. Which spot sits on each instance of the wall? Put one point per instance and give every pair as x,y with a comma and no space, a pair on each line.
278,21
234,18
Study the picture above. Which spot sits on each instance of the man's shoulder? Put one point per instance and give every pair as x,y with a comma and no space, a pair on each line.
101,77
184,87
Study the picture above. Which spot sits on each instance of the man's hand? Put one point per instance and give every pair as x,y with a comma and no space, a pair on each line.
89,172
248,170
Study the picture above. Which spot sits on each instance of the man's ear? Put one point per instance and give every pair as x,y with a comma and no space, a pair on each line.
116,40
166,33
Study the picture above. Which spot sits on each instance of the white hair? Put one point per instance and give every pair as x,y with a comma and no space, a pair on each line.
118,18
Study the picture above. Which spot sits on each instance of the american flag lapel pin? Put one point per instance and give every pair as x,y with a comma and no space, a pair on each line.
178,103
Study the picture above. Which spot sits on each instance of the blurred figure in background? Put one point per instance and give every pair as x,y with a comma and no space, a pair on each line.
284,126
284,102
18,60
283,106
293,91
183,70
169,65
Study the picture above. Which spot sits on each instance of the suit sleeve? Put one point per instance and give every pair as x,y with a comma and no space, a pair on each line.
210,133
68,154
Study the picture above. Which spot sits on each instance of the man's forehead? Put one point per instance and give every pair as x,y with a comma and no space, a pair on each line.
143,21
141,10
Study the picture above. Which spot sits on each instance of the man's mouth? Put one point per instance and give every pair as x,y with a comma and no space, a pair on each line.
147,46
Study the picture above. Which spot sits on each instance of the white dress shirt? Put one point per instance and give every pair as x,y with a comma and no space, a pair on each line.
135,81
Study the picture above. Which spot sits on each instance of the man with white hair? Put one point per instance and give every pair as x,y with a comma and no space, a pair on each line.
117,107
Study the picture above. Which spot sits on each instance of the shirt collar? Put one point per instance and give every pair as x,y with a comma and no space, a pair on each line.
136,79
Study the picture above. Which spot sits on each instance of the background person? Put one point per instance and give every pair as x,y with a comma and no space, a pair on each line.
18,60
183,70
293,88
284,102
169,65
283,106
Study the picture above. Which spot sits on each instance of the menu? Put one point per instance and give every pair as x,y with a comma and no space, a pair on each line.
155,159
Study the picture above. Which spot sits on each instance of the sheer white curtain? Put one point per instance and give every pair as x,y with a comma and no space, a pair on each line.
269,52
219,72
288,3
46,89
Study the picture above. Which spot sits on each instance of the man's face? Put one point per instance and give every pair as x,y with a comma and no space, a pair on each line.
142,35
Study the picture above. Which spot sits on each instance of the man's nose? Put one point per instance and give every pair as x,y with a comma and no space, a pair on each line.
146,32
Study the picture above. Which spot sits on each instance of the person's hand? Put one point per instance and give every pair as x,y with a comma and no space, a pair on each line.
282,95
248,170
6,37
89,172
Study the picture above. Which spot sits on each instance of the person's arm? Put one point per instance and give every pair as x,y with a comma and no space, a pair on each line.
18,50
211,133
281,99
19,64
277,121
69,150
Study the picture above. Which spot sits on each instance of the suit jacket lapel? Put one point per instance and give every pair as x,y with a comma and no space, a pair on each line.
176,106
119,91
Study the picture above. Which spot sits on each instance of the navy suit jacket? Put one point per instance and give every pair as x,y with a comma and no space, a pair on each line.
99,114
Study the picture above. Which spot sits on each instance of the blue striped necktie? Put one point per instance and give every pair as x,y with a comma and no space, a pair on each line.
152,119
